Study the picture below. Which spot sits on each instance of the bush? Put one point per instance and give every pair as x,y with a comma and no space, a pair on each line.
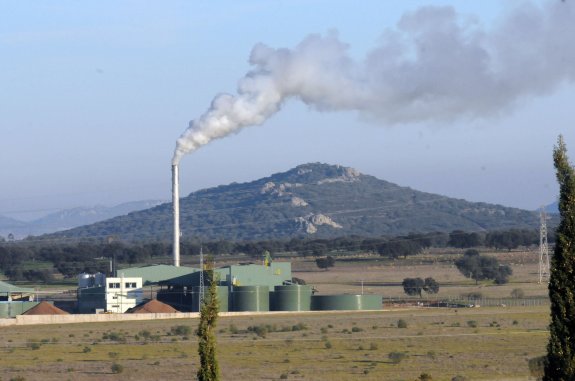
401,323
373,347
181,330
328,345
472,324
517,293
117,368
87,350
396,357
284,376
537,366
356,329
458,378
425,377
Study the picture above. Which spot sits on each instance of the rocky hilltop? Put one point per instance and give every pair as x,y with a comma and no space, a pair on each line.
317,200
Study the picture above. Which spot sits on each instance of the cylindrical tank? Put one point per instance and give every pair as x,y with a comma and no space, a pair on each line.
84,280
251,298
293,297
223,297
100,279
345,302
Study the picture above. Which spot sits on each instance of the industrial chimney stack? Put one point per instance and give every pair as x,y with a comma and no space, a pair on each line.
176,206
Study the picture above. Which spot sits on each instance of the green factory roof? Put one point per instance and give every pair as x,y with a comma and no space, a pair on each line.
10,288
156,273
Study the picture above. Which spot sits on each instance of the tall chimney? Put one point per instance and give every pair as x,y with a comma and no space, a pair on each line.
176,206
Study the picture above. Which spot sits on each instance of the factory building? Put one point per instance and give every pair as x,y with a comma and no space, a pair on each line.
259,288
98,293
242,287
15,300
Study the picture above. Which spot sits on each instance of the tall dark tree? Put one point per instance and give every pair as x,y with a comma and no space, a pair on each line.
209,368
560,361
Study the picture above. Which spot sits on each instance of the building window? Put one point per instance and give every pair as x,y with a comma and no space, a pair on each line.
113,285
130,284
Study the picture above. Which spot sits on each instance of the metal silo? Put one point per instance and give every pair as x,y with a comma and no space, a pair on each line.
223,297
251,298
291,298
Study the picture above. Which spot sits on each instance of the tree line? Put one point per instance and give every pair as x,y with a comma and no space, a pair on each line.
73,258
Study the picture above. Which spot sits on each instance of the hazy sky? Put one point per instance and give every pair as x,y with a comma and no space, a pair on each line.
94,95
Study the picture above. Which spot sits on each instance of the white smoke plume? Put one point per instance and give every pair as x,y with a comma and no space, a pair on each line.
434,66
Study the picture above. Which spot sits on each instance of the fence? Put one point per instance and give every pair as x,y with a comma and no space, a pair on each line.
465,302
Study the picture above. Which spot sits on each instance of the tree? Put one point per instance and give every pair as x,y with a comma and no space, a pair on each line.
431,286
560,361
209,369
479,267
463,240
413,286
325,263
399,246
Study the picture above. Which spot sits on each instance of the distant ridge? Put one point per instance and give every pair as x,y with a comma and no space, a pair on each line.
69,218
310,200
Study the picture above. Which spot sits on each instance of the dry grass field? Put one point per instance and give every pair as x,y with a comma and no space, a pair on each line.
486,343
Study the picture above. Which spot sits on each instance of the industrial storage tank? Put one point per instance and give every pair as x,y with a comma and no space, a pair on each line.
293,297
345,302
251,298
99,279
223,297
84,280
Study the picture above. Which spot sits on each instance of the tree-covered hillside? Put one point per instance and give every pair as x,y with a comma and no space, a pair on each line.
313,200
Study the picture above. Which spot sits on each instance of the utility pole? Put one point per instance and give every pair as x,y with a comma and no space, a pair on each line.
543,248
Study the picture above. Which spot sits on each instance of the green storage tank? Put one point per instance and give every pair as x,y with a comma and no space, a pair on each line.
291,298
223,297
251,298
345,302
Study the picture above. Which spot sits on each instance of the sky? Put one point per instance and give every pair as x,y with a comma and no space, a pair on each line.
95,94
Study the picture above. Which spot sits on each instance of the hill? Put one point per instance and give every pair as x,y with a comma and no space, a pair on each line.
317,200
69,218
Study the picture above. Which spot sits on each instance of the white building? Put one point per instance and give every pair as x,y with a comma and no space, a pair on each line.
114,295
123,293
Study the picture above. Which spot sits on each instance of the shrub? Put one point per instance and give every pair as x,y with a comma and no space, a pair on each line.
537,367
517,293
396,357
87,350
473,295
373,347
472,323
401,323
181,330
283,376
234,330
328,345
425,377
356,329
117,368
458,378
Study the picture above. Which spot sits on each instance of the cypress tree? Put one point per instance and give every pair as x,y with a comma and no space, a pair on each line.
209,369
560,360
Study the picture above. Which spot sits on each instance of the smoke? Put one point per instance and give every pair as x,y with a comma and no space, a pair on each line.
434,66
